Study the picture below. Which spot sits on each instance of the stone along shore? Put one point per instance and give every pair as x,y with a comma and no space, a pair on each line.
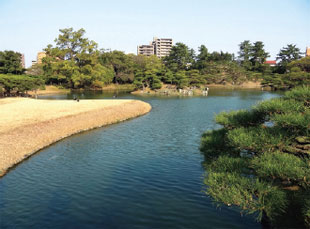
28,125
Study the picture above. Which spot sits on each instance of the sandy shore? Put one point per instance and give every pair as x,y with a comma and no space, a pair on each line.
28,125
49,89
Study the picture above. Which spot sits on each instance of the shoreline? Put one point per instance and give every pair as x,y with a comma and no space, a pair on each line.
50,89
23,134
198,91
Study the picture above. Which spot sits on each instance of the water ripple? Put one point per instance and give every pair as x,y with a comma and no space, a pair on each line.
144,173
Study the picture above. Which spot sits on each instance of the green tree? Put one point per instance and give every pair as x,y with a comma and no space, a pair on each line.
72,45
258,56
168,77
153,70
202,57
19,84
303,64
180,58
203,53
245,50
297,74
220,56
235,73
181,79
194,78
286,55
260,162
75,62
149,71
122,64
11,63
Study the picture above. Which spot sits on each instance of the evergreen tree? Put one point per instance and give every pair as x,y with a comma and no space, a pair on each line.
18,84
220,56
260,162
148,72
202,57
74,62
180,58
122,64
258,56
297,74
303,64
287,55
245,54
11,63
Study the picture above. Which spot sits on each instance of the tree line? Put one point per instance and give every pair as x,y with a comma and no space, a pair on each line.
74,61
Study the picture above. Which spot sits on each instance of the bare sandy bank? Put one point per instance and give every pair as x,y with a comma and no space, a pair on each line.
28,125
49,89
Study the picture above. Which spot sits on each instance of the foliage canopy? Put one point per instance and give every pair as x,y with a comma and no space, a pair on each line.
11,62
18,84
260,159
74,61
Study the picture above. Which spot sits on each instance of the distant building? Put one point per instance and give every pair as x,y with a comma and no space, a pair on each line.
147,50
271,63
40,56
33,62
307,51
23,60
160,47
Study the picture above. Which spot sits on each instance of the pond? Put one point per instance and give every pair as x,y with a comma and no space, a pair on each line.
142,173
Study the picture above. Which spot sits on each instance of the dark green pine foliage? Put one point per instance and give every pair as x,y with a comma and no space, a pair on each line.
298,73
18,84
260,160
11,63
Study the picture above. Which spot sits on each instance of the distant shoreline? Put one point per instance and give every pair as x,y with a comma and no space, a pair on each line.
168,89
29,125
50,89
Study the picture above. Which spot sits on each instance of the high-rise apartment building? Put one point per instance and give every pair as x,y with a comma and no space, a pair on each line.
307,51
22,60
40,56
160,47
147,50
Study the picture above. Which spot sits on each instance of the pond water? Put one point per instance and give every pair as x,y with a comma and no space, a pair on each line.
142,173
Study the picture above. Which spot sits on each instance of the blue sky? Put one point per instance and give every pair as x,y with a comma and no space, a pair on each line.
28,26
